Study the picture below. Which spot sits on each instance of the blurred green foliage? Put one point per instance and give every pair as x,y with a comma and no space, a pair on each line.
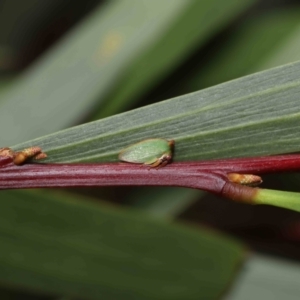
67,62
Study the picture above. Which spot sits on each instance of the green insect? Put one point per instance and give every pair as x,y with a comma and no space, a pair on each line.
152,152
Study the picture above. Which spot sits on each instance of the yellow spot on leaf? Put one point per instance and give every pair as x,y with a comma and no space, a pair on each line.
109,46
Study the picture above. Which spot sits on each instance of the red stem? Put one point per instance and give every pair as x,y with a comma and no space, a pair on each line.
206,175
249,165
113,174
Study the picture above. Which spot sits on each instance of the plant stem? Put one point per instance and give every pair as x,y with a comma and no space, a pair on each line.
112,174
211,176
288,200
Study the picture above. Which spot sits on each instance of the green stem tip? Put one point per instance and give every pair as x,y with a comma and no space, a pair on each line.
289,200
246,194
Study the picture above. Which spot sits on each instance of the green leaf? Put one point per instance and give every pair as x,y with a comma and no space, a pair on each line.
255,45
287,51
96,252
82,68
196,23
254,115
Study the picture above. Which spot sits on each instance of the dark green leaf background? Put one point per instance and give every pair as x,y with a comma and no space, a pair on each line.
66,246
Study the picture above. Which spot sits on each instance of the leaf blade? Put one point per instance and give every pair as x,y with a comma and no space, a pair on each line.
85,250
174,45
65,84
222,121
